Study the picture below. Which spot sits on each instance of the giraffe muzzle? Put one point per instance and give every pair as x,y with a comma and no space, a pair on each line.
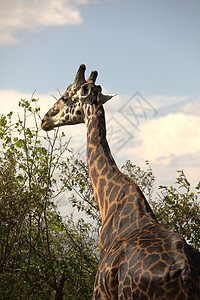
46,126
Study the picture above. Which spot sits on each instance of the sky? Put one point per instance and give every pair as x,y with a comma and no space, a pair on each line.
147,52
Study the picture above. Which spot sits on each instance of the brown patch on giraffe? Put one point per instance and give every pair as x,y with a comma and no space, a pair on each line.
104,171
109,188
94,175
138,258
114,193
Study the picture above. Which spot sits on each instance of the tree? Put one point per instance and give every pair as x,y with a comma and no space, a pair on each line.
143,178
178,209
42,257
76,179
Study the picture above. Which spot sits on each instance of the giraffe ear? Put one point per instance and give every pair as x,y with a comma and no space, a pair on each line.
105,98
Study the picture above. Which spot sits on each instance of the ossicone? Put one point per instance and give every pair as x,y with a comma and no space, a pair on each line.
80,76
93,76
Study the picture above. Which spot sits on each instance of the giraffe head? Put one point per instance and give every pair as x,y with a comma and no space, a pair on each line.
73,105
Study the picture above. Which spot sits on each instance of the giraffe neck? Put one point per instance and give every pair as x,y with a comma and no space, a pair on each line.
122,205
100,161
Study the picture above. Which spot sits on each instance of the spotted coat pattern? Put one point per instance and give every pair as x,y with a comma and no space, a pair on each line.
138,258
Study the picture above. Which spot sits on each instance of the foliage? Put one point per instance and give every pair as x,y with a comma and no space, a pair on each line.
41,256
178,209
144,179
76,179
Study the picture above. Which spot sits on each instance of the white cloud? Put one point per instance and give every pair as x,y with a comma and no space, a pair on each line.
172,135
7,39
170,142
165,138
164,104
192,108
10,98
33,14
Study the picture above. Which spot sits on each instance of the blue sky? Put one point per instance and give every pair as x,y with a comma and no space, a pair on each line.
150,46
147,47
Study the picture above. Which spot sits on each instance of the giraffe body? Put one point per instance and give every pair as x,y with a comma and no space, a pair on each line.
150,263
138,258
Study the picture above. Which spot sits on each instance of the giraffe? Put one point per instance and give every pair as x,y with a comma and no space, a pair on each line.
138,258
